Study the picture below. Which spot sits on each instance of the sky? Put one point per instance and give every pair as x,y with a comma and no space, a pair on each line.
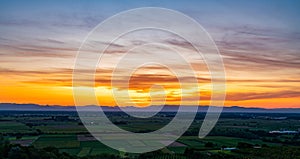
258,40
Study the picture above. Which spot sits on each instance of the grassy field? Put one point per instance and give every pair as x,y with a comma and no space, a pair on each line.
59,141
84,151
191,141
177,150
218,141
61,127
70,135
70,144
72,151
15,127
24,138
97,147
259,124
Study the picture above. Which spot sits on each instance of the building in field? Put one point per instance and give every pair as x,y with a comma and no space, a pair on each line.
283,132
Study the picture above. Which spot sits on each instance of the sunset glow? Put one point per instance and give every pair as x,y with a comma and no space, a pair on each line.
39,43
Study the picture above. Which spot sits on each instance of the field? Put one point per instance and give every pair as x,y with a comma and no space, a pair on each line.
59,141
15,127
71,144
65,132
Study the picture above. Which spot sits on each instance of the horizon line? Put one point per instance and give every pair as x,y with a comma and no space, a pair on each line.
49,105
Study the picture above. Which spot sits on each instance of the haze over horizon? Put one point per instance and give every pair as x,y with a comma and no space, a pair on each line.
259,43
166,108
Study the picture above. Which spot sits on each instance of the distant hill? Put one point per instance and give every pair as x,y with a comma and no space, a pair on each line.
34,107
168,108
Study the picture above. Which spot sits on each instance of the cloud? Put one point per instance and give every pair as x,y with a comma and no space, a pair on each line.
260,53
63,77
262,80
266,95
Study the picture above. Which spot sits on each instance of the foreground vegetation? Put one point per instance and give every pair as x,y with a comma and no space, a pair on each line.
9,151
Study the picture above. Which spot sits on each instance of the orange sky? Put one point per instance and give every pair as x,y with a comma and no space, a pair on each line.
55,88
39,43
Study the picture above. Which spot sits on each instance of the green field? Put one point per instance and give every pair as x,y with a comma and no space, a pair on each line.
24,138
97,147
58,141
177,150
70,144
70,136
61,127
14,127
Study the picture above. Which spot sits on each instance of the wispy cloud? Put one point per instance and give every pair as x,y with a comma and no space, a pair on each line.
266,95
